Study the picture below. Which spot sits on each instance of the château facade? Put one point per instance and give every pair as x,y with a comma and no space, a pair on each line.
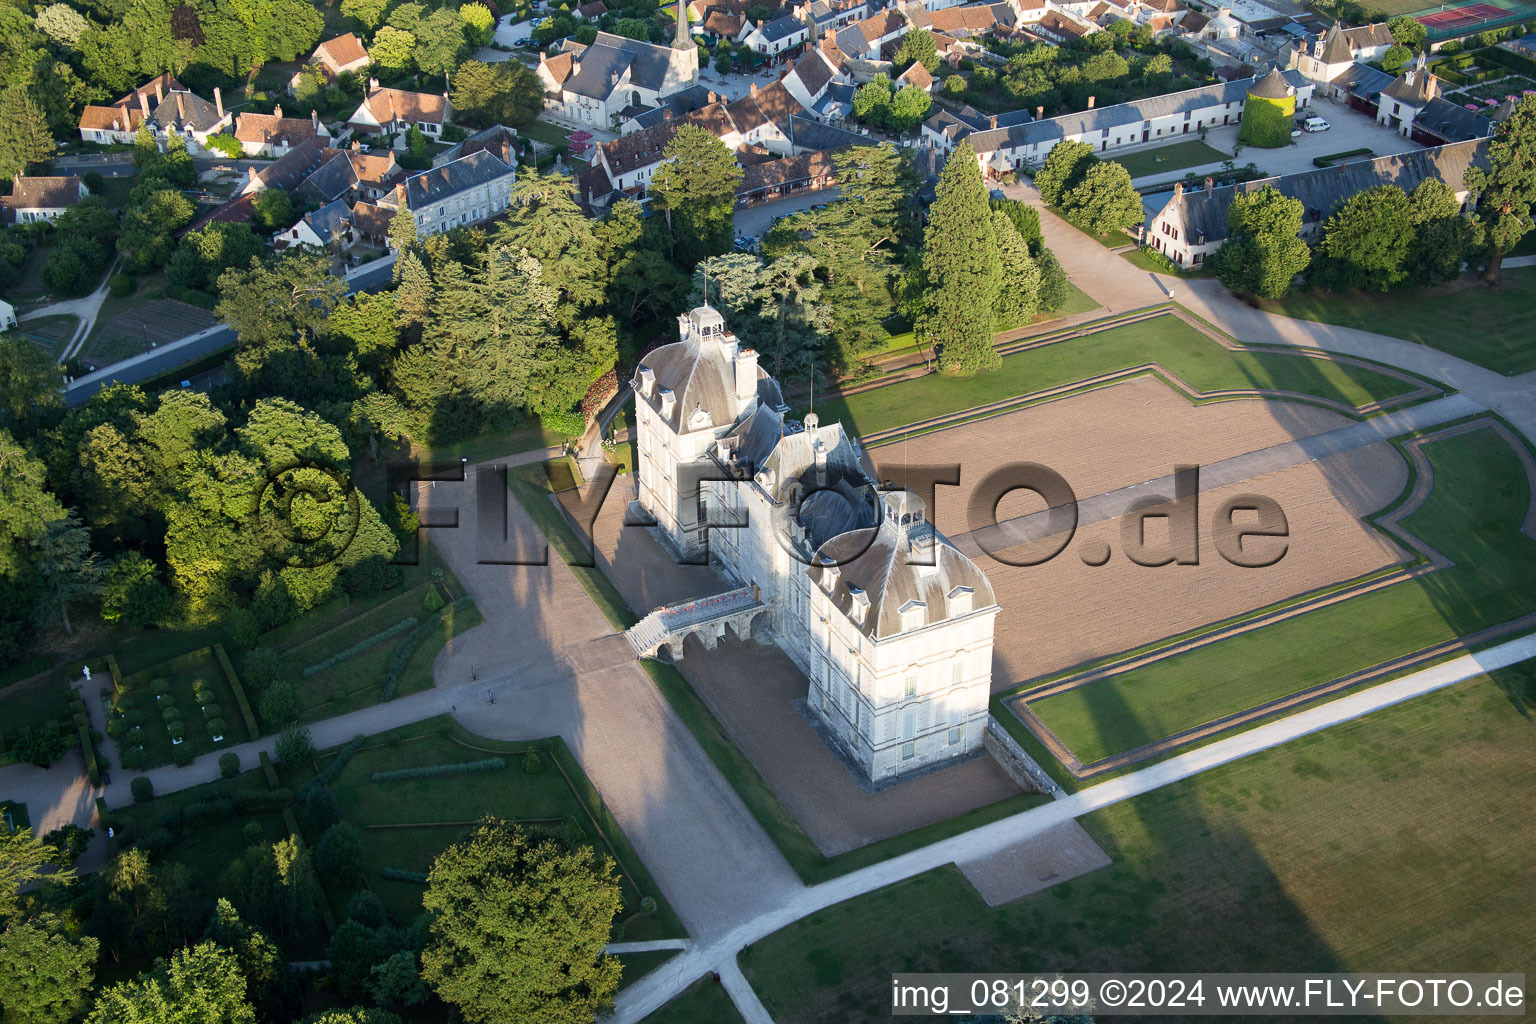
890,622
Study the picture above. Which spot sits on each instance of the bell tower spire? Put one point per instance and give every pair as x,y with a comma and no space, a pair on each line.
682,40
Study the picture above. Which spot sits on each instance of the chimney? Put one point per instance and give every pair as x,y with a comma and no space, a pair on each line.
159,91
1040,113
144,102
992,122
251,175
314,121
1178,189
1210,183
181,106
357,146
753,90
1090,102
277,111
373,84
218,102
712,97
746,373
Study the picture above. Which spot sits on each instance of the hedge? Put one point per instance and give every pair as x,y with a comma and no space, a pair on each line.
1328,161
428,771
1508,59
361,646
331,772
239,690
402,875
407,647
267,770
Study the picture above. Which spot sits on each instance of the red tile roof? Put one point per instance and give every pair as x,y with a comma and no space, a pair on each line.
341,53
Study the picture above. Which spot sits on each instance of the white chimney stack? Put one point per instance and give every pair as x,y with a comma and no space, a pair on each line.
218,102
746,374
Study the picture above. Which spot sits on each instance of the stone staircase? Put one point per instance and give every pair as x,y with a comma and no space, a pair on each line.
670,624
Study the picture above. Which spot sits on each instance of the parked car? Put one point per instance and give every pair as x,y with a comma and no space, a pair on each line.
746,243
1315,124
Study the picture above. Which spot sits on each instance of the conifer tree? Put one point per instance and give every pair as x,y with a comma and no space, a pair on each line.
962,269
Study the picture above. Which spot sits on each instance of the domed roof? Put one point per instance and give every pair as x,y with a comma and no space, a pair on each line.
901,575
698,372
1272,86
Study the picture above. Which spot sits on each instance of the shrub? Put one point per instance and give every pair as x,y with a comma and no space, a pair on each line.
157,842
489,764
339,855
216,727
121,285
41,748
433,602
170,713
229,765
278,707
648,904
253,832
176,730
142,789
361,646
317,806
262,668
260,801
160,687
183,755
402,875
211,711
244,630
132,759
226,144
532,765
367,909
333,771
407,647
294,746
134,737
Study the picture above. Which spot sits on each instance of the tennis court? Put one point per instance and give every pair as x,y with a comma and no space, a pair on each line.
1449,21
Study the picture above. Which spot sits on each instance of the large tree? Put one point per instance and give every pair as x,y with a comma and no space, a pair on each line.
1366,241
24,135
1104,200
696,186
45,976
271,306
67,571
199,985
26,509
1262,252
544,220
1019,297
961,269
441,42
25,860
1503,194
518,929
505,92
1442,236
1064,167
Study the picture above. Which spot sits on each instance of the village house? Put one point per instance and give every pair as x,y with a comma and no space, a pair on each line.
469,190
1193,224
616,78
809,77
864,40
774,38
1004,149
163,104
823,16
273,134
36,200
395,110
334,58
889,621
328,228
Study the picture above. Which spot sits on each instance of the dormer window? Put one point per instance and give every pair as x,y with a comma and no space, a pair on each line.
668,402
829,575
698,419
913,615
858,604
960,600
647,377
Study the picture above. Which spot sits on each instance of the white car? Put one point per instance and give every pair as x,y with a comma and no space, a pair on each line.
1315,124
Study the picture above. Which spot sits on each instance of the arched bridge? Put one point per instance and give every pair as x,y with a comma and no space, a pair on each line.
705,617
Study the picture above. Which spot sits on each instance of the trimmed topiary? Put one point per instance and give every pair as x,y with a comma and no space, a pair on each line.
183,755
142,789
229,765
216,727
170,713
175,730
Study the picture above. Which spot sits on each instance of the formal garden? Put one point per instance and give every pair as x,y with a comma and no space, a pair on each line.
38,726
178,710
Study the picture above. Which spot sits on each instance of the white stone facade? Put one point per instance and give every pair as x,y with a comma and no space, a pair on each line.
890,622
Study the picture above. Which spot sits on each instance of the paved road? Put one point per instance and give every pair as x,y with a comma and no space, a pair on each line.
147,365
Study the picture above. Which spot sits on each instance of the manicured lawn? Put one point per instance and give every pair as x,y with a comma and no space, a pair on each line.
1184,351
1473,516
703,1002
30,704
543,131
1386,841
429,814
354,681
1468,319
903,337
1170,158
638,965
116,189
490,445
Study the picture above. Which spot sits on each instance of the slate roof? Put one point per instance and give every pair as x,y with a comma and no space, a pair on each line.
695,97
329,220
808,133
814,71
772,103
341,52
331,180
44,193
701,374
781,28
1452,121
288,170
1362,80
1272,86
650,65
599,70
1120,114
1321,190
187,109
1369,35
1415,87
129,110
1336,49
877,568
454,177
